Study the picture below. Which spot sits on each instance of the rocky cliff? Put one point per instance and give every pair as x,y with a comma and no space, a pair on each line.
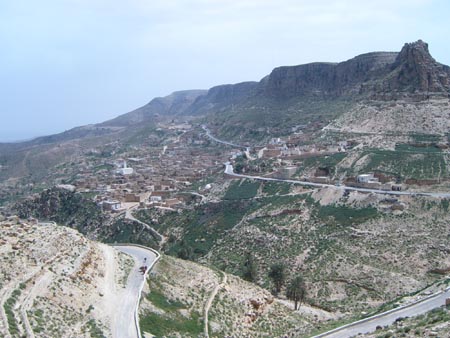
378,75
416,70
327,78
412,71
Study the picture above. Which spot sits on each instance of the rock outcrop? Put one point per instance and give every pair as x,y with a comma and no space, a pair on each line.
376,75
328,78
412,71
416,70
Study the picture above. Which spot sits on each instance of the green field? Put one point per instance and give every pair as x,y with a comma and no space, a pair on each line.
408,162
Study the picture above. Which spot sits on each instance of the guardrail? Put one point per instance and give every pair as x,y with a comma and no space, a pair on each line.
158,256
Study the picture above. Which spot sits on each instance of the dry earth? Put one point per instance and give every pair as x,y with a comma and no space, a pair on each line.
428,117
179,290
56,283
356,252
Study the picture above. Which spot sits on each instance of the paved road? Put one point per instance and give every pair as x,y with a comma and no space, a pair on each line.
229,171
389,317
208,133
124,321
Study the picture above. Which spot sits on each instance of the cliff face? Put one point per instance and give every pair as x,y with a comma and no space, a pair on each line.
231,92
380,75
413,70
416,70
222,96
327,78
312,78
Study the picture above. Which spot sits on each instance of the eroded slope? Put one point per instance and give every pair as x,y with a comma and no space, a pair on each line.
56,283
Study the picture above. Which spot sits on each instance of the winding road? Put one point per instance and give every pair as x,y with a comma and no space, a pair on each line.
129,215
126,321
208,133
229,171
386,318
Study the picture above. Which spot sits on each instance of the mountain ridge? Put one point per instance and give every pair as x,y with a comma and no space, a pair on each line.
412,72
314,94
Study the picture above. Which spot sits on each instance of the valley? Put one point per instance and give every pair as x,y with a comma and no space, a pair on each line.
334,175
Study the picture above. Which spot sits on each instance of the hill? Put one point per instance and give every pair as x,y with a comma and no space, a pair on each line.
378,121
56,283
180,294
355,251
378,91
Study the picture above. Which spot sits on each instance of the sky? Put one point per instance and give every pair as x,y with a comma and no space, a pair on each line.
66,63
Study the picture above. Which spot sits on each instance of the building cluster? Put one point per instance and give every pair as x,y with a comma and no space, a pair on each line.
297,147
149,177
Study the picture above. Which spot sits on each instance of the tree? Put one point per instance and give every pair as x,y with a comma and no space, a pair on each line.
296,291
185,252
249,268
277,273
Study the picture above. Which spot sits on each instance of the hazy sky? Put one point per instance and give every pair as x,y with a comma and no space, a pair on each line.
65,63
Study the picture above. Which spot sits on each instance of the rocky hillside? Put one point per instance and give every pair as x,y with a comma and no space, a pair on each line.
72,209
173,104
355,251
57,283
312,95
181,295
412,71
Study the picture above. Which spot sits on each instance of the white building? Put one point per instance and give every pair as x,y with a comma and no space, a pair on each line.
124,170
366,178
155,198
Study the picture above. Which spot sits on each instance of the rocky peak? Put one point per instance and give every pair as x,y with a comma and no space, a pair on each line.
414,52
415,70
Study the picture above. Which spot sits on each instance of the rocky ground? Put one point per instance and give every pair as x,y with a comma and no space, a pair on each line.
56,283
356,251
179,291
388,117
